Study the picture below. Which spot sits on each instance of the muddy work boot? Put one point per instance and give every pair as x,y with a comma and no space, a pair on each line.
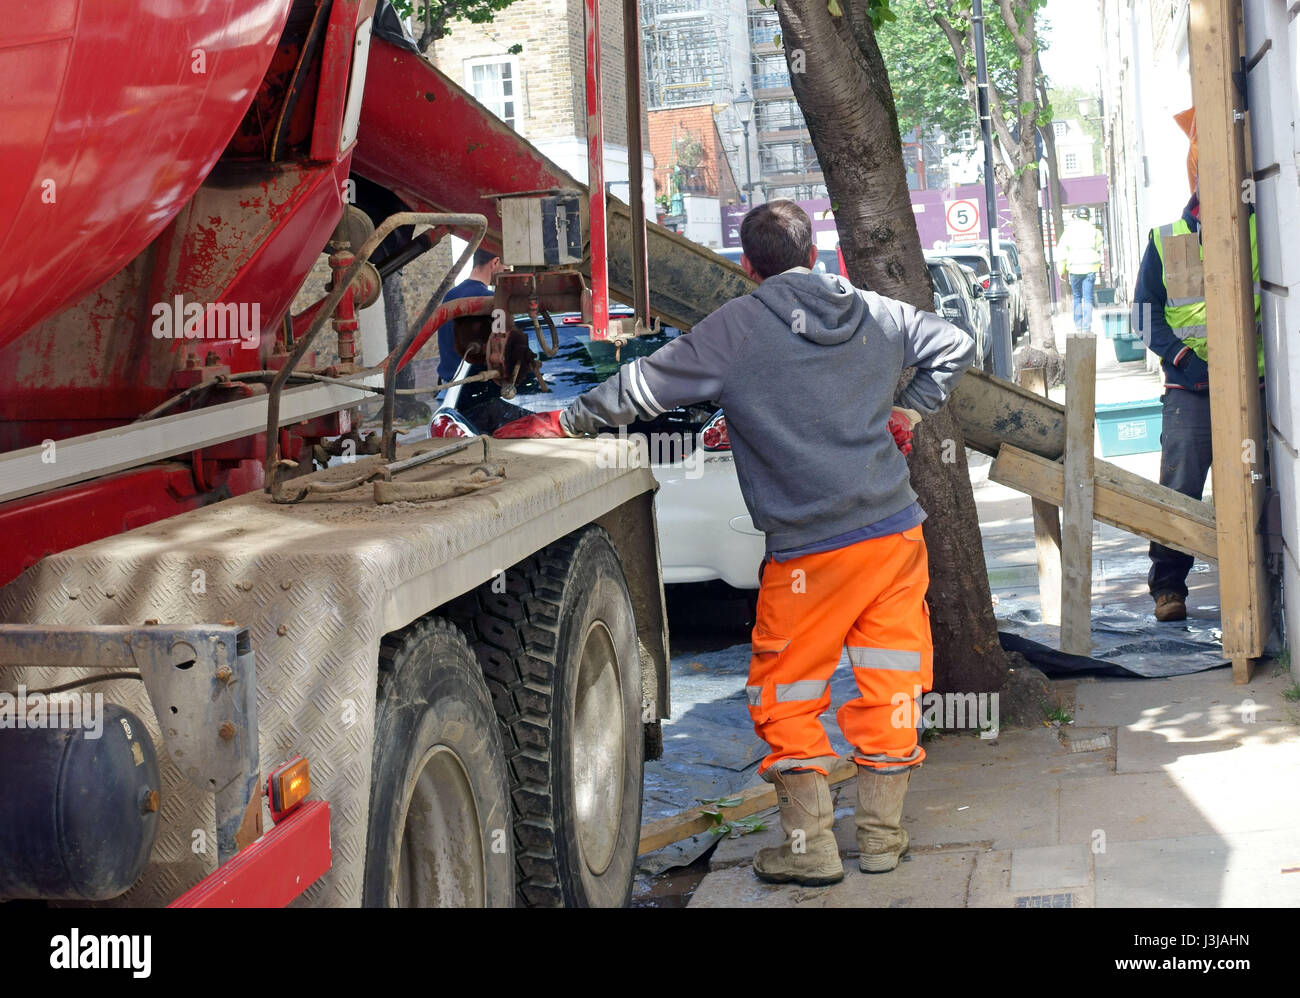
1171,606
882,840
809,855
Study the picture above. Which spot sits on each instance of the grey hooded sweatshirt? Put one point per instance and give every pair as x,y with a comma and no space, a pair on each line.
805,368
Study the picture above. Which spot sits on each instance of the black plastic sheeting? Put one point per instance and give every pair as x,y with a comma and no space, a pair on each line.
710,749
1125,642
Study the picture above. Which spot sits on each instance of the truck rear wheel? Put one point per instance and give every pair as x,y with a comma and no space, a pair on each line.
559,649
439,829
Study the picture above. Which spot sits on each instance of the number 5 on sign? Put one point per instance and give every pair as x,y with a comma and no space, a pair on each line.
962,218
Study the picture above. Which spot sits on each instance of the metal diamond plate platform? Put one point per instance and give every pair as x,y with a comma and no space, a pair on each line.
318,584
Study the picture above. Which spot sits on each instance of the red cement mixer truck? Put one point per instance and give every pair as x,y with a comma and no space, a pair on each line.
250,655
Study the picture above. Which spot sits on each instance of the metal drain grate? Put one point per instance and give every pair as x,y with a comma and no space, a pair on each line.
1045,901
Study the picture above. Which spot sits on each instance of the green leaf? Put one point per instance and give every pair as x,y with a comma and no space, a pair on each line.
776,39
516,48
834,8
730,801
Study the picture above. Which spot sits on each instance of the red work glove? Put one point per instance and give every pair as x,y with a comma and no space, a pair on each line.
901,427
539,424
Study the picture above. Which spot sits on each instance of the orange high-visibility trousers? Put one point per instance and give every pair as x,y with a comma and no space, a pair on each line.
870,598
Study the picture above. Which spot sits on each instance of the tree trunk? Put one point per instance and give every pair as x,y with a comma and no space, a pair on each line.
1055,187
844,93
1022,197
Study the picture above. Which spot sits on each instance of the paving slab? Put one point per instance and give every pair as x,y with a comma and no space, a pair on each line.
1248,869
999,817
1189,741
1163,722
1040,869
924,880
1123,701
1210,801
990,887
1014,758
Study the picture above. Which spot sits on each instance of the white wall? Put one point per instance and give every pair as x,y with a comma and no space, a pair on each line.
703,219
1166,90
1274,90
570,154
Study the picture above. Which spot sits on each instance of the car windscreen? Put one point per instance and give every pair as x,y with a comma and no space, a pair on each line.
976,263
578,366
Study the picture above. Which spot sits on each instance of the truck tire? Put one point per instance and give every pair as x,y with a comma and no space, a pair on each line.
559,649
440,792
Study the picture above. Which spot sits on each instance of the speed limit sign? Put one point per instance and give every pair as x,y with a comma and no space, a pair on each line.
962,218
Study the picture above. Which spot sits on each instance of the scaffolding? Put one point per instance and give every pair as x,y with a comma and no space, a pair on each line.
687,51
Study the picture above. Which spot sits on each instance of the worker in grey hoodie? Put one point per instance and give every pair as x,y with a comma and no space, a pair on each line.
805,368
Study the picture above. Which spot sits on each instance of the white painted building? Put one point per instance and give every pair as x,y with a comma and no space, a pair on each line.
963,158
1076,153
1145,80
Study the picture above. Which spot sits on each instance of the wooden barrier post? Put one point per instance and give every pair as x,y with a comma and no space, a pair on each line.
1076,504
1047,525
1235,410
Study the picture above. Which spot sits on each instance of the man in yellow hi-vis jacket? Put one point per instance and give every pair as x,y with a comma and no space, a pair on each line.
1079,253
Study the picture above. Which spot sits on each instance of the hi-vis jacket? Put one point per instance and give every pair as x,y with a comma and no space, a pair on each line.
1171,320
1078,251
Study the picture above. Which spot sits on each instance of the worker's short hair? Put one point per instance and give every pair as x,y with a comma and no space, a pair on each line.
775,237
482,256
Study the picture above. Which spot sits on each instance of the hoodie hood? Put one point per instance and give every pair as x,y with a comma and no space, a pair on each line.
822,308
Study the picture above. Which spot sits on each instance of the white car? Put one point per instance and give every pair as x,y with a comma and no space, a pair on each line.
705,532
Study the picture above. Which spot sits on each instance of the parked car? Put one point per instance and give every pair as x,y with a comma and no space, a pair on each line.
705,531
958,297
1005,245
977,258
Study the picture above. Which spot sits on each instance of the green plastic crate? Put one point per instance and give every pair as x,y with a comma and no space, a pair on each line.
1129,427
1128,349
1115,322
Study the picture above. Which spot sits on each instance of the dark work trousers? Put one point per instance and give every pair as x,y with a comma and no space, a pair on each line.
1185,458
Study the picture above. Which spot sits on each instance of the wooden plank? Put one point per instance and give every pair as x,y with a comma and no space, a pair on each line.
1120,498
992,412
674,828
1077,504
1047,525
1235,410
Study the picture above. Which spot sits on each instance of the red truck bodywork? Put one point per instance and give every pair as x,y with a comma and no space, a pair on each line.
193,153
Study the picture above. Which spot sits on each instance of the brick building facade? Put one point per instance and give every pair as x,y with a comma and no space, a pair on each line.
541,91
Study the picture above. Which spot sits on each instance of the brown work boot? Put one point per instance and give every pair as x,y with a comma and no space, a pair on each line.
809,855
882,840
1171,606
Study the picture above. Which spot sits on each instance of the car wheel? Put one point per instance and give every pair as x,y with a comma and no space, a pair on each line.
556,638
439,822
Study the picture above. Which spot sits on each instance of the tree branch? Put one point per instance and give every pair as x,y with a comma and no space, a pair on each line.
434,28
1023,44
996,110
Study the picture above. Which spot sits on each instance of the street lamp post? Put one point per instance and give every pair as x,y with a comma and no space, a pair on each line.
1046,228
997,294
744,105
